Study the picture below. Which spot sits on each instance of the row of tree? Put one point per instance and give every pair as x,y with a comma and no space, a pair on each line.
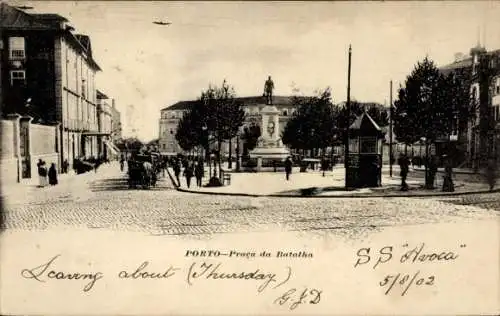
318,123
431,105
214,118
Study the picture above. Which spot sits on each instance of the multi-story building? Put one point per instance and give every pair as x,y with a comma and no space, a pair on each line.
48,73
479,135
116,123
106,148
252,106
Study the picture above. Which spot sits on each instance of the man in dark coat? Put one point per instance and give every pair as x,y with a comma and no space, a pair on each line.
177,171
404,166
198,173
288,167
188,173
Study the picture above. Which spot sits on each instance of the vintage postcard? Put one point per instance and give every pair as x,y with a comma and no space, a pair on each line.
249,158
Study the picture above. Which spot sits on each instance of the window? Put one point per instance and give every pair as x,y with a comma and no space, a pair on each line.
171,131
285,113
83,88
498,86
16,48
17,77
353,145
369,145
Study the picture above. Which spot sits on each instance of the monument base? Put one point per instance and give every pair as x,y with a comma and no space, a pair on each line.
265,156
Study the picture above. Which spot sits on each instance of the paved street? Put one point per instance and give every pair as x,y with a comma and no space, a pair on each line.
103,201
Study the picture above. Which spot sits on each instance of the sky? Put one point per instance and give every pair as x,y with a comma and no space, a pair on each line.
302,45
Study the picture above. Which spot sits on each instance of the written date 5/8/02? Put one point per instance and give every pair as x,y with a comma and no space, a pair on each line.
405,281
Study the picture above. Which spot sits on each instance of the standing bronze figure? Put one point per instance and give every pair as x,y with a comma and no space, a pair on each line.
268,90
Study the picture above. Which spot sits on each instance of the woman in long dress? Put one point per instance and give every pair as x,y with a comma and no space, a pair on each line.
43,174
40,172
53,174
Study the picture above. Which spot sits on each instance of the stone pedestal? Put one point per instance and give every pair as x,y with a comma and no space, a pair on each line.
269,146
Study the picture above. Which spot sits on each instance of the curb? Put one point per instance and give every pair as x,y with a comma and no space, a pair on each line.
455,172
358,196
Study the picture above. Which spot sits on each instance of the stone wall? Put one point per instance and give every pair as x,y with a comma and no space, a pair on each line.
8,158
42,144
43,139
7,149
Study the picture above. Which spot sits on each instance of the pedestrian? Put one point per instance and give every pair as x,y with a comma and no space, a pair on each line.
188,173
324,165
65,166
288,168
53,174
198,172
177,171
448,185
40,173
431,173
122,163
491,173
404,164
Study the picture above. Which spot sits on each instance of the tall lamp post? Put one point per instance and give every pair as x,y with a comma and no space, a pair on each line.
390,130
238,151
348,114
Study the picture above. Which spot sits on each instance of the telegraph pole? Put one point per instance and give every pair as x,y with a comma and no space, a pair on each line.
390,130
348,115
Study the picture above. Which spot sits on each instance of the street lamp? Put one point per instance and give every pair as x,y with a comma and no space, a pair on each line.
238,166
348,110
206,149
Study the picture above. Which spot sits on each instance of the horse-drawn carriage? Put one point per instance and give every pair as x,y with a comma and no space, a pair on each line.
143,170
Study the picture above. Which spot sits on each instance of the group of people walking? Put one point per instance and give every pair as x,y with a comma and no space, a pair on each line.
191,168
46,176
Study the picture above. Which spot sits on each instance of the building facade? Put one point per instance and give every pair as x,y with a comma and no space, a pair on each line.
170,116
48,73
479,136
116,123
105,115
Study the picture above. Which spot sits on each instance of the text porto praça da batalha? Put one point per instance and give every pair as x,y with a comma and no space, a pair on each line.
247,254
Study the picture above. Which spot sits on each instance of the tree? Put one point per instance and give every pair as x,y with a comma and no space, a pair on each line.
314,124
423,109
376,111
213,119
130,144
250,137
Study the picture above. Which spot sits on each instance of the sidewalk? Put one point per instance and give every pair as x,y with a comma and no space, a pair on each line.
332,185
69,185
455,170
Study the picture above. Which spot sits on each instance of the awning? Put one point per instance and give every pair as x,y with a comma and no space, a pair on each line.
112,147
95,134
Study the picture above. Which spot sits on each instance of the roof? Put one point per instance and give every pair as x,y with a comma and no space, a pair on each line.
252,100
464,63
12,18
85,41
365,122
101,95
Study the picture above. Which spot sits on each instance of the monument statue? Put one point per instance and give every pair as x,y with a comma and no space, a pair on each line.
268,90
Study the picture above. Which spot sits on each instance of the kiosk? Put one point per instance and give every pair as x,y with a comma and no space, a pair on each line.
364,164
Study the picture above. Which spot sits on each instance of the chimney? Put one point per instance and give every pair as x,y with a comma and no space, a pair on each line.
113,103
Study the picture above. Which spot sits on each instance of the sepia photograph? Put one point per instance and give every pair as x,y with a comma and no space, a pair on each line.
249,157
